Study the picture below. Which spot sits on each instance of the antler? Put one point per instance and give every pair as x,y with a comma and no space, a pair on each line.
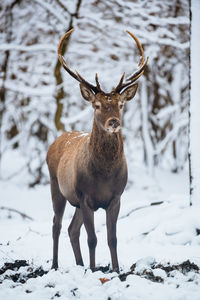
138,73
96,89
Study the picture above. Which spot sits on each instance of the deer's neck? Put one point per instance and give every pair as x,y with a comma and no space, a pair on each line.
106,150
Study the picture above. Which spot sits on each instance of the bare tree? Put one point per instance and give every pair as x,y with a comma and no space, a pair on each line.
194,150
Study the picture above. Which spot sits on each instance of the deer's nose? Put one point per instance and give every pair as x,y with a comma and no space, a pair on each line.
114,123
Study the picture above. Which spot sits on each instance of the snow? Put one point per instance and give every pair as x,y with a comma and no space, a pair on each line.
147,234
156,224
83,134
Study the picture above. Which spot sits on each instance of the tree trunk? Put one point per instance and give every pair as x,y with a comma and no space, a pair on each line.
58,75
148,147
4,66
194,111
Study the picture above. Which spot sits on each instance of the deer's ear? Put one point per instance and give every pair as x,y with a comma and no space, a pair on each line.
87,93
129,92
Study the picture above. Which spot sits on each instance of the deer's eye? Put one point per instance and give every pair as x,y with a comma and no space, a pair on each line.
97,106
121,106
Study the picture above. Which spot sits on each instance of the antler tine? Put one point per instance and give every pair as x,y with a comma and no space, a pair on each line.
142,64
120,82
97,82
77,76
82,80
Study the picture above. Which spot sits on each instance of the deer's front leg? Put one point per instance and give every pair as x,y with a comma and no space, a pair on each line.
111,222
88,220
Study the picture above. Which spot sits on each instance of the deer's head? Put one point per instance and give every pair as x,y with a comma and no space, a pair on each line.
107,106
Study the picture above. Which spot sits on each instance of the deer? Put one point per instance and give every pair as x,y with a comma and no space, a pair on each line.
89,169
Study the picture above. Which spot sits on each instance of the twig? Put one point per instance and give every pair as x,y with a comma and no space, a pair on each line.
23,215
140,207
37,232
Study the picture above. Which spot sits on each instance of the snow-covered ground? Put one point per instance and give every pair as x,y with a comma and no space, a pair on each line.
162,233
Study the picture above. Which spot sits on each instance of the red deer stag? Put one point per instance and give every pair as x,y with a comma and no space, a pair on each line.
89,169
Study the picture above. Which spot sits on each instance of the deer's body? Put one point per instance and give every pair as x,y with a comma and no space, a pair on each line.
84,166
89,170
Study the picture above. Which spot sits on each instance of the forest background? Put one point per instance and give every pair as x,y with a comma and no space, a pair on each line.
158,228
38,100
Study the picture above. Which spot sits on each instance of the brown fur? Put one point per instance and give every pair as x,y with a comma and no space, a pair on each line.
89,170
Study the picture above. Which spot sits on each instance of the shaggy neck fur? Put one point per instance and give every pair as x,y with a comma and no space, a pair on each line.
106,149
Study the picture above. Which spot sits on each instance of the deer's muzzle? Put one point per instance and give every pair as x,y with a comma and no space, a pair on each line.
113,125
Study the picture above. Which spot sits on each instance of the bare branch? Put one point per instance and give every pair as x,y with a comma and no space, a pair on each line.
23,215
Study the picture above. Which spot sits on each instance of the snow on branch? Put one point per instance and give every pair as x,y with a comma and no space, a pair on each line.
165,21
153,38
167,111
39,47
45,91
10,143
170,136
169,42
77,117
52,10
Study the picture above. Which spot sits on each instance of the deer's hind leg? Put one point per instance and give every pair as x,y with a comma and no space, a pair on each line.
74,233
59,203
